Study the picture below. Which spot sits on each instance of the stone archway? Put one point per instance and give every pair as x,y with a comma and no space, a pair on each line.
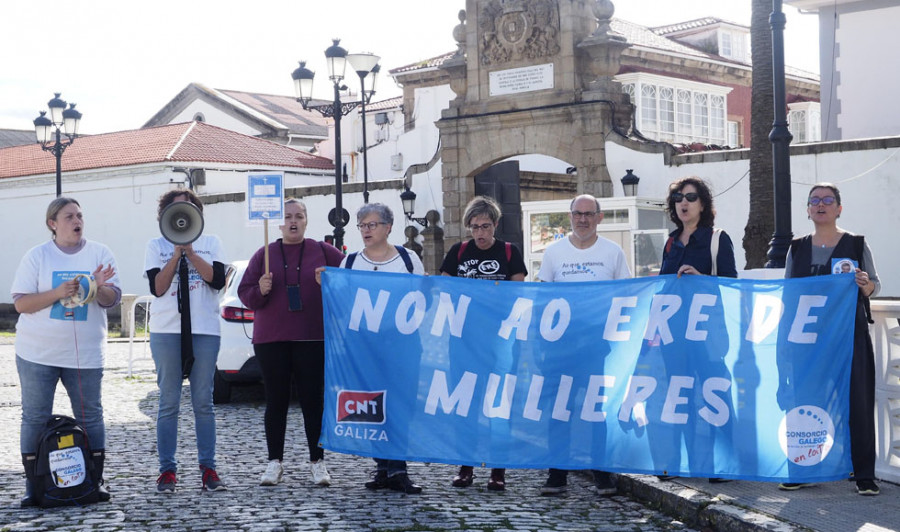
531,77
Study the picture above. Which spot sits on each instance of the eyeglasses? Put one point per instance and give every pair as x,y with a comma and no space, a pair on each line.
815,200
370,226
586,214
690,196
482,227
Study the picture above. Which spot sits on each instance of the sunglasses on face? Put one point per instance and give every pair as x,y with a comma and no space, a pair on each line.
690,196
815,200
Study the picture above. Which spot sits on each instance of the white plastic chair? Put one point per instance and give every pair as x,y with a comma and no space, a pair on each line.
145,300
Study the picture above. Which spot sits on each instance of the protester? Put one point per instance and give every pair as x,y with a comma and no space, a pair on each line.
375,222
288,335
815,254
184,339
582,256
58,339
483,257
689,250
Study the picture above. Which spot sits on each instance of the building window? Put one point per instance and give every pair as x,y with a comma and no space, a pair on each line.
199,117
674,110
804,122
732,44
734,134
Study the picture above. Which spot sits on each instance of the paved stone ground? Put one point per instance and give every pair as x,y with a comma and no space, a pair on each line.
130,408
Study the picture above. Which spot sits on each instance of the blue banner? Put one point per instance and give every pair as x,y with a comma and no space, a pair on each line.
692,376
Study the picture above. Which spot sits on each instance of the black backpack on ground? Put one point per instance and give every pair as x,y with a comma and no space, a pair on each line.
64,473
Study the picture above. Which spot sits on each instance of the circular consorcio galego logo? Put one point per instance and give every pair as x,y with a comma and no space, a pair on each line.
806,435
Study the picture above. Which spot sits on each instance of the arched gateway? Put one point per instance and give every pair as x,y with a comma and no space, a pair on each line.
531,77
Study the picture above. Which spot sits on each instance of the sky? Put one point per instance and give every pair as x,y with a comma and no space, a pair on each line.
121,62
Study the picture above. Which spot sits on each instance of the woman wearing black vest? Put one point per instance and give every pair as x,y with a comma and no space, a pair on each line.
813,254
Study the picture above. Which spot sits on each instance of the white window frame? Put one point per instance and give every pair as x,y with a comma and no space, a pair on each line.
733,44
804,122
696,112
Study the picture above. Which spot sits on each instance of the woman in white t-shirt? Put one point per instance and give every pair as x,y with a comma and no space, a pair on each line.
61,332
195,272
375,221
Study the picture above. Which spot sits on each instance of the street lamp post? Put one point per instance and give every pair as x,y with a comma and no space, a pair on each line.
336,59
408,197
781,137
49,132
365,64
630,183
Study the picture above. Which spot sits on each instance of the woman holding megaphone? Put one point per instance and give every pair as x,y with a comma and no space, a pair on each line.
185,270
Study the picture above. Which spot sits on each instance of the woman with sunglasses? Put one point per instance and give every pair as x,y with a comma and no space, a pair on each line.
689,248
816,254
483,257
689,251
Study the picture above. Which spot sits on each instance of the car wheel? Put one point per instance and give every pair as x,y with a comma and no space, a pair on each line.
221,389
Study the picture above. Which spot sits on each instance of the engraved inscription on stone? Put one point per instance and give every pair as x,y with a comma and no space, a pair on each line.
517,80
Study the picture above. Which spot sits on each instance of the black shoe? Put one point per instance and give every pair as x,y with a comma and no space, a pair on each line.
401,482
666,478
29,461
793,486
867,487
604,484
556,482
379,481
717,480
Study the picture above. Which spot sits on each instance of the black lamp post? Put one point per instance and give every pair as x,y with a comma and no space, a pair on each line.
49,132
630,183
336,59
365,64
408,197
781,137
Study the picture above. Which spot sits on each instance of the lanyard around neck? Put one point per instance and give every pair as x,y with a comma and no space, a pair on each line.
299,260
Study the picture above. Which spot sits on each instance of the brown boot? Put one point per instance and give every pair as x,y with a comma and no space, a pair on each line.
464,478
498,480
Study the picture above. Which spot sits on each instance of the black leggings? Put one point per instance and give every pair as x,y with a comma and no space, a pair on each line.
281,363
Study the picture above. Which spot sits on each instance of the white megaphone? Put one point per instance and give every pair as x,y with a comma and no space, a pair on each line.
181,223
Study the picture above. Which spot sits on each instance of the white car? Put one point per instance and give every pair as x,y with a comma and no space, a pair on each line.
236,361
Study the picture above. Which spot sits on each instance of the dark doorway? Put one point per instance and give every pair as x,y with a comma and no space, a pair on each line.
501,182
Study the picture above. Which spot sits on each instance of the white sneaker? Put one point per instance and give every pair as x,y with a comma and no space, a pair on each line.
320,473
273,473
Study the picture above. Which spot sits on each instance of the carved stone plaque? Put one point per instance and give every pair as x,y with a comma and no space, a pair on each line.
516,30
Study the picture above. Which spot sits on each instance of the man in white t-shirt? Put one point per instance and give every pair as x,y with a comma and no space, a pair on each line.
582,256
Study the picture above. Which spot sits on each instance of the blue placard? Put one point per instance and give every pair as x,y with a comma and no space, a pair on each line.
265,197
692,376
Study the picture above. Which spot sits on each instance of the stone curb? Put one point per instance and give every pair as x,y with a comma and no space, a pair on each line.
698,509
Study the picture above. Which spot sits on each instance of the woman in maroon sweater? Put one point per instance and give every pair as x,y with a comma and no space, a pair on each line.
288,336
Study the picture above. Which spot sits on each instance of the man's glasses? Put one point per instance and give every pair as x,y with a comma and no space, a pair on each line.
585,214
690,196
370,226
815,200
482,227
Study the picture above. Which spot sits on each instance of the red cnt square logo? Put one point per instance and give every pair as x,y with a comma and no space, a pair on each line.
360,407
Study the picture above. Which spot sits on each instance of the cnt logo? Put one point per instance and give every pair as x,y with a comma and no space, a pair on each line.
360,407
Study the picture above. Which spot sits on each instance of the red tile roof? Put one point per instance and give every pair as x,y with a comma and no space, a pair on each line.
187,142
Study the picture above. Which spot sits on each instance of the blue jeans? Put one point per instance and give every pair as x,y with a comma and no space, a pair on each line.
166,350
391,467
38,384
